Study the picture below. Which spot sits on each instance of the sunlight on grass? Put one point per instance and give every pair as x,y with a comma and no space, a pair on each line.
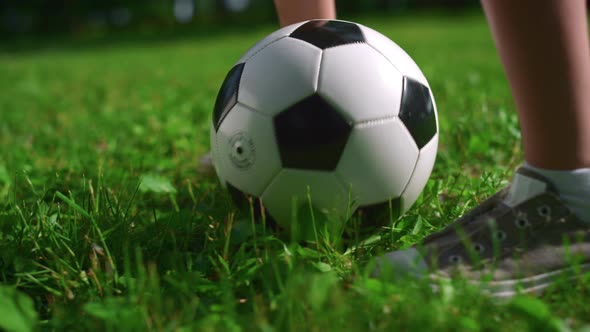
106,225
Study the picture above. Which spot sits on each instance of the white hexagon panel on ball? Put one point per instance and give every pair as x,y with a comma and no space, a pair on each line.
395,54
246,156
378,161
273,37
284,73
424,165
293,189
360,82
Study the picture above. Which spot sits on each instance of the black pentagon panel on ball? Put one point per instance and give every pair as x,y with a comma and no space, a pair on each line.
417,111
329,33
311,135
227,97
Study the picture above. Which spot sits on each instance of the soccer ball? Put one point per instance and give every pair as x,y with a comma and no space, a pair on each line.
328,115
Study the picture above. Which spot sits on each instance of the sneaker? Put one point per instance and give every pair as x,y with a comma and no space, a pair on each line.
519,240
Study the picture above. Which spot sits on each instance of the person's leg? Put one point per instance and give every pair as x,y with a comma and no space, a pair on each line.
519,236
293,11
544,48
545,51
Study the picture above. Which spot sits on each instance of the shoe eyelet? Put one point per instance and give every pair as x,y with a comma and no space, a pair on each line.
455,259
478,248
500,235
522,222
544,211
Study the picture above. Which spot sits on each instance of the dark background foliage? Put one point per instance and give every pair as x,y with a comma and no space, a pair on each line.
79,17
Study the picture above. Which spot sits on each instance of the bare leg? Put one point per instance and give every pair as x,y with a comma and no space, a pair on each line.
546,54
545,51
293,11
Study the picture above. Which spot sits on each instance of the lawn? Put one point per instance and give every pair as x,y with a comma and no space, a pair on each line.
105,223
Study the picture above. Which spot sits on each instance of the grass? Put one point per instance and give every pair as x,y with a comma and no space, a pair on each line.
106,225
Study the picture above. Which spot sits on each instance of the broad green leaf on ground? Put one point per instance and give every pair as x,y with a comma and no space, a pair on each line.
4,176
537,314
156,184
17,312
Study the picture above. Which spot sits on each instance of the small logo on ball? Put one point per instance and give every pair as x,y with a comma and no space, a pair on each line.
242,150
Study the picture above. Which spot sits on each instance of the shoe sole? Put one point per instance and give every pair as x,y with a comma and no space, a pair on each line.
507,289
